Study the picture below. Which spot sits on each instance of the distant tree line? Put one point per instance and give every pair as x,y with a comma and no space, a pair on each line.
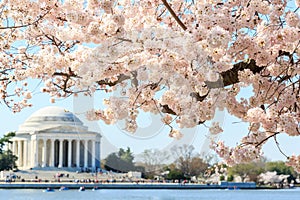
185,165
251,171
182,163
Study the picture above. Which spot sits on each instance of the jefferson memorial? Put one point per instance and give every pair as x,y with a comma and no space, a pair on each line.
53,137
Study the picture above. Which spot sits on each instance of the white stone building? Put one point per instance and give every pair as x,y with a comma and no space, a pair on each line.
54,137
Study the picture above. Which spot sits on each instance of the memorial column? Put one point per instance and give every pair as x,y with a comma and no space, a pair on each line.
25,156
20,157
77,153
86,151
44,153
52,153
94,154
69,153
61,153
14,146
36,153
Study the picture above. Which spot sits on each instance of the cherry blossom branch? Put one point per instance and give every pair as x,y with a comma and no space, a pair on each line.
198,97
167,109
280,150
26,25
230,77
152,86
257,144
121,78
281,92
159,110
174,15
264,140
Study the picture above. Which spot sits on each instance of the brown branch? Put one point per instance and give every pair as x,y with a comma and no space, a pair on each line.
71,74
230,77
197,96
167,109
124,39
121,78
174,15
257,144
54,42
264,140
26,25
280,150
4,71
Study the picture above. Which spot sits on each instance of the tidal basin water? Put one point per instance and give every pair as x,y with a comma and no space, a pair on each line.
112,194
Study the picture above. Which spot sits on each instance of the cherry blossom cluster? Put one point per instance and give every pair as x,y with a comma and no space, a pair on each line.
215,128
180,59
238,154
294,161
175,134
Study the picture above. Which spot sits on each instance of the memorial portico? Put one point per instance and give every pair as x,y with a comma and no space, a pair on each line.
54,137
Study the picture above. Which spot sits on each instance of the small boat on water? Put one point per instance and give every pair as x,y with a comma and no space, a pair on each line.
48,190
62,188
232,188
95,188
81,189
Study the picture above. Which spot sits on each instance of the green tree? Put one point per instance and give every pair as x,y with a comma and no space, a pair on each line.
250,170
174,173
222,178
121,161
126,155
5,140
230,178
7,159
281,168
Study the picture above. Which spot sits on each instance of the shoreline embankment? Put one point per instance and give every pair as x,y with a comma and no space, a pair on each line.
165,186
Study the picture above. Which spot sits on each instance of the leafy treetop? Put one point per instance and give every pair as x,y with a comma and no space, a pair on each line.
6,140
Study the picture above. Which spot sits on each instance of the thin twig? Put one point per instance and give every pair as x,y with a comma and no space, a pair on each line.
280,150
26,25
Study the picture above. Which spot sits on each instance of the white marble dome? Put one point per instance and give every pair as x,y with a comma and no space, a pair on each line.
54,137
48,117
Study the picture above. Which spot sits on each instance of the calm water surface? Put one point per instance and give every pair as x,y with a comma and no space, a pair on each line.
26,194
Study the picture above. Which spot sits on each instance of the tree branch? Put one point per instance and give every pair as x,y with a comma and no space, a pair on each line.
174,15
227,78
257,144
26,25
167,109
278,147
230,77
121,78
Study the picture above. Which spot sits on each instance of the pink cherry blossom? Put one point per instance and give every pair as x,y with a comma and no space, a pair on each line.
182,60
